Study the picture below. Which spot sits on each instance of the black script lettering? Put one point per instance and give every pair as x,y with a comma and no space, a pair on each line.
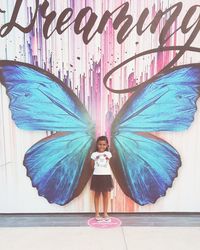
61,20
122,17
191,38
88,26
156,50
49,18
186,20
6,28
162,38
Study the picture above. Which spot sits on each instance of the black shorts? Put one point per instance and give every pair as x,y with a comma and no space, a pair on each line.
102,183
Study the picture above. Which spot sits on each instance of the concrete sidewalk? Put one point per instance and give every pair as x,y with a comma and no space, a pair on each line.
86,238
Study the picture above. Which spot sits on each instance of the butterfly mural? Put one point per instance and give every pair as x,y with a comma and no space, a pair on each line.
143,164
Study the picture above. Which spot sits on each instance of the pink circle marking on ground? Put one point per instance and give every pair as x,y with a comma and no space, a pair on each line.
115,222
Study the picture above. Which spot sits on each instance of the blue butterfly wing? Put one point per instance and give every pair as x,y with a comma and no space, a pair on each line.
57,165
167,104
40,101
146,165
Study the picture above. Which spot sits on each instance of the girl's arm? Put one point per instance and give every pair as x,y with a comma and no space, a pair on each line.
92,164
108,156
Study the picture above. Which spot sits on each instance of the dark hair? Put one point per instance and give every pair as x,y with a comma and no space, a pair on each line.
102,138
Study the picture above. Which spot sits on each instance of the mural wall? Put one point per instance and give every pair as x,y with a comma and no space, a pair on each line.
126,69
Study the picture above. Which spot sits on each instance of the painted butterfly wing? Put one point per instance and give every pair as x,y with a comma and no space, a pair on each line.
167,104
59,165
40,101
144,165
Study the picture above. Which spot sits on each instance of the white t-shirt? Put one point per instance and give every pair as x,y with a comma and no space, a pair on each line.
101,166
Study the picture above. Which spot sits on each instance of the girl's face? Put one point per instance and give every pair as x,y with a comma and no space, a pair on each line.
102,145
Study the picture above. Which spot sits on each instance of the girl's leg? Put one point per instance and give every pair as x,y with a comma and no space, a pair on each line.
105,204
96,203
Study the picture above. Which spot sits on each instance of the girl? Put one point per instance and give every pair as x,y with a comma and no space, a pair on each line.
101,180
